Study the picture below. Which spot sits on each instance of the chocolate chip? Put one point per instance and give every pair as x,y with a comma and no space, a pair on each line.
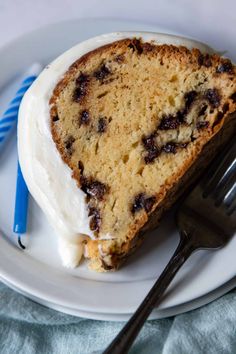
84,118
225,108
102,125
95,221
102,73
149,141
202,110
79,93
143,202
82,79
148,47
138,203
152,155
189,98
96,190
70,140
170,148
81,89
213,97
169,122
225,67
81,167
119,58
69,144
55,118
173,121
180,115
136,45
233,97
205,60
93,188
148,203
202,124
152,150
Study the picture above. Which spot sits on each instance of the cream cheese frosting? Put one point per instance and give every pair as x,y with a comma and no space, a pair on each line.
48,178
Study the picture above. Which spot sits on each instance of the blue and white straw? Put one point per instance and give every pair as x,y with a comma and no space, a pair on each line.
9,118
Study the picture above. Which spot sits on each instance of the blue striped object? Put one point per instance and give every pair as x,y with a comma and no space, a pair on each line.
9,118
7,122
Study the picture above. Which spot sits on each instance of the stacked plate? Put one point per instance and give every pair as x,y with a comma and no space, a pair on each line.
37,272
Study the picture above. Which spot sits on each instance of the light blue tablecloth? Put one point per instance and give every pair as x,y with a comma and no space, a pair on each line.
26,327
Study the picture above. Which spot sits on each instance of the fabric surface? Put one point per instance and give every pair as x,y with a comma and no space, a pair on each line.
27,327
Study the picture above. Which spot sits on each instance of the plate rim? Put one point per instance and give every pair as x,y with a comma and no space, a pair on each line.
156,313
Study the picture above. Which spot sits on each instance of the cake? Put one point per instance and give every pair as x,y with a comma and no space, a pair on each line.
120,133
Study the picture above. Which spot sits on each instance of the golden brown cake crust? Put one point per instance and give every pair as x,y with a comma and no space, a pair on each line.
213,85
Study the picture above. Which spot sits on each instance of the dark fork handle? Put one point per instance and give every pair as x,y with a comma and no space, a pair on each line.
123,341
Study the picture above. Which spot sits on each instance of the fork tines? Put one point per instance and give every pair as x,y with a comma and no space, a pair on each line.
221,186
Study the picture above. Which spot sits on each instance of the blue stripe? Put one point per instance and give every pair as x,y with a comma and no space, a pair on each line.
29,79
18,96
17,99
23,89
23,86
7,120
14,106
8,115
5,129
13,110
11,114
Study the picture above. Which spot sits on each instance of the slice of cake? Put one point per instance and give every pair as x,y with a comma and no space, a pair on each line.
133,121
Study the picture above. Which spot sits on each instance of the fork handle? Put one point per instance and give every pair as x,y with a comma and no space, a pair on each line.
123,341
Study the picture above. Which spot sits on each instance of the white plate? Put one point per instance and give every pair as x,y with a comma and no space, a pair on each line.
38,273
156,313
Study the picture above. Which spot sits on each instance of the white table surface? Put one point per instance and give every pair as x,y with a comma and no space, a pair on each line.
212,21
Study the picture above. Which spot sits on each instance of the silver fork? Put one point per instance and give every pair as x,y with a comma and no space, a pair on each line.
206,219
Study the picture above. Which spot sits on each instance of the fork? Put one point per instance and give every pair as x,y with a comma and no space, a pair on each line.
206,219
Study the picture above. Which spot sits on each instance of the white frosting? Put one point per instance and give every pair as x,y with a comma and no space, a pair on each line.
71,252
47,176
